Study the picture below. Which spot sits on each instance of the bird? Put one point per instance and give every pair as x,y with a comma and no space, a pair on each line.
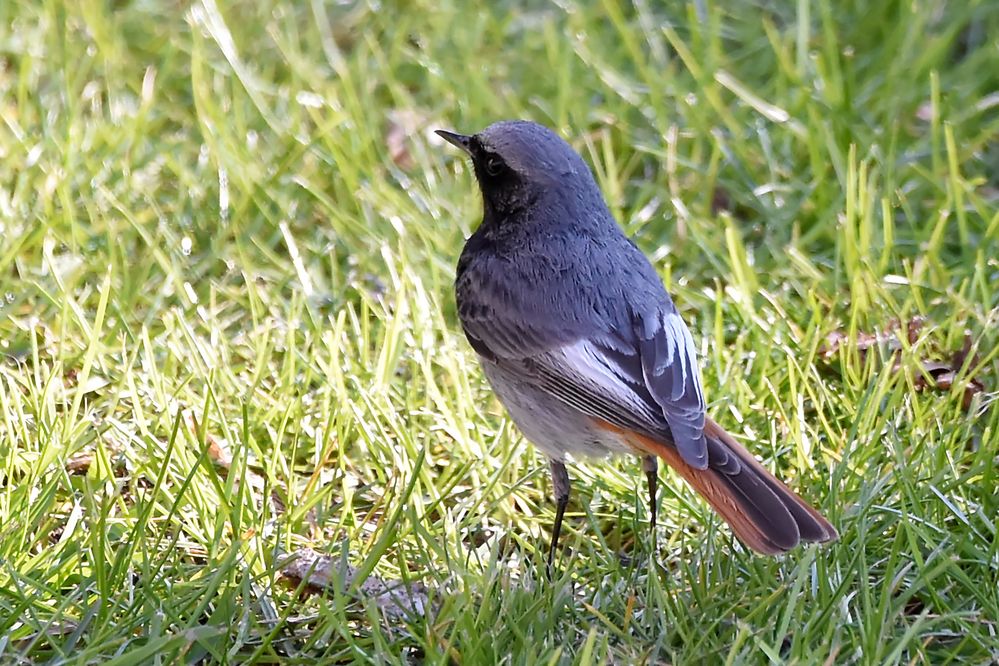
580,341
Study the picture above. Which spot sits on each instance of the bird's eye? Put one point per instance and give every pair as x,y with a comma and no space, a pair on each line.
494,166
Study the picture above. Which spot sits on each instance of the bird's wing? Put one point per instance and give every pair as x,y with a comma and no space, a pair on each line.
669,368
643,377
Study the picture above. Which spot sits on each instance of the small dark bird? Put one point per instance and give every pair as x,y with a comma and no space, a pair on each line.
583,345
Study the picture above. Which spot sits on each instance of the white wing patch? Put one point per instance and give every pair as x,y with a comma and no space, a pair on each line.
652,387
683,345
604,377
670,373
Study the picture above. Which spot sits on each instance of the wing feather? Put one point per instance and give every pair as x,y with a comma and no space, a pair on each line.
670,371
634,368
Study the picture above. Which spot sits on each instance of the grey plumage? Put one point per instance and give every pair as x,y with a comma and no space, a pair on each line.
583,344
549,268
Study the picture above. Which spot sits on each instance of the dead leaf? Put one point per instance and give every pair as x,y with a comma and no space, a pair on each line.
55,629
834,341
960,356
405,125
220,454
397,599
395,140
218,449
80,463
865,341
939,375
720,201
944,378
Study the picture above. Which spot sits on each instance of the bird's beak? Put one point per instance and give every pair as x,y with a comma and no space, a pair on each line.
455,139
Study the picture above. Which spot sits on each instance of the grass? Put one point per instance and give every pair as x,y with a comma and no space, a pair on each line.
228,226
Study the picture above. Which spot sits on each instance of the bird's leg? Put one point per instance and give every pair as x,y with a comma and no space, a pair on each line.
651,467
560,484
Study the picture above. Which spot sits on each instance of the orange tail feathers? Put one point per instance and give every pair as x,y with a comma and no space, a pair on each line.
764,513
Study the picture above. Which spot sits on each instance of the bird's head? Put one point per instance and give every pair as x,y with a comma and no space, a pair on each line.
518,162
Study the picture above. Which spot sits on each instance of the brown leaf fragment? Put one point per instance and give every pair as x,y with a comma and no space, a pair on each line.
720,201
934,369
834,341
837,340
961,355
937,375
396,599
53,631
889,336
944,381
403,124
315,569
80,463
913,329
218,449
398,152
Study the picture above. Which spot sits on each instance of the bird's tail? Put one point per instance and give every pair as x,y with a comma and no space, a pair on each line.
764,513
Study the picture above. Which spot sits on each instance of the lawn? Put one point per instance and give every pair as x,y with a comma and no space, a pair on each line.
228,333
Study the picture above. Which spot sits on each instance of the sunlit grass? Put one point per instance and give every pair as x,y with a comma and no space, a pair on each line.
230,228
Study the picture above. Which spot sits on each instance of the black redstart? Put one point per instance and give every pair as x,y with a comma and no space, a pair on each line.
583,345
